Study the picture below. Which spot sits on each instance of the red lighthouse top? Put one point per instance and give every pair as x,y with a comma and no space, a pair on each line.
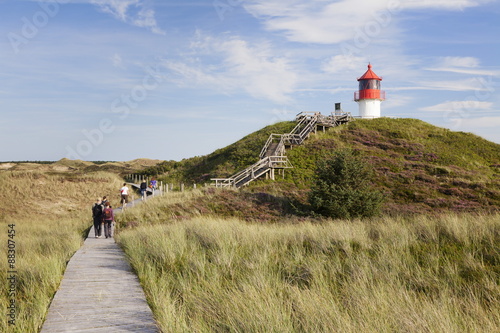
370,75
369,86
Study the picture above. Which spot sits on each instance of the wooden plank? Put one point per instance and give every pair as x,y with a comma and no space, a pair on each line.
99,293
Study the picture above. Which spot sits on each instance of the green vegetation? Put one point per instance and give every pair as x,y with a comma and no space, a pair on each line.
221,163
382,275
342,188
419,168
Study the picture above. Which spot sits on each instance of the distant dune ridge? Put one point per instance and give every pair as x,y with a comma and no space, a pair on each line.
79,165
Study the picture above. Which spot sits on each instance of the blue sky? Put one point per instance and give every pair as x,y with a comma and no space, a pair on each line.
119,80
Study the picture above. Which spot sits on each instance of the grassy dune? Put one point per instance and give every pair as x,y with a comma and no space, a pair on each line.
51,213
420,168
415,274
252,261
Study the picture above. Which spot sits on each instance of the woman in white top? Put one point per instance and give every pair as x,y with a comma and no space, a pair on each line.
124,195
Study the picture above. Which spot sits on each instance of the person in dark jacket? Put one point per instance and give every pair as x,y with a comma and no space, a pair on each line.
144,189
97,210
108,218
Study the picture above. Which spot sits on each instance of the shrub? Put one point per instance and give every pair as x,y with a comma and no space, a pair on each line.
342,187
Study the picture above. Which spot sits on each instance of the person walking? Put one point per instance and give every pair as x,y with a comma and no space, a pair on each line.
124,195
144,190
108,218
97,211
152,184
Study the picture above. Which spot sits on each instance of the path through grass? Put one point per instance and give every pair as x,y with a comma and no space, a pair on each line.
51,214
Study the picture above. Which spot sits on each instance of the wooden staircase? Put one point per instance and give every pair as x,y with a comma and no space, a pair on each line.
264,166
272,156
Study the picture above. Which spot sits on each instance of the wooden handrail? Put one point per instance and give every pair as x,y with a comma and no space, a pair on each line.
306,123
268,143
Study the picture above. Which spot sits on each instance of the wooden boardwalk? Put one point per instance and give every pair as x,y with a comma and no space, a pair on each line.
99,293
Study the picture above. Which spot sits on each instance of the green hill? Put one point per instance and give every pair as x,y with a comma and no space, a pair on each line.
419,167
221,163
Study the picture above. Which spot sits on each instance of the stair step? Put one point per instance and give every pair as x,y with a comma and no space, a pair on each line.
305,125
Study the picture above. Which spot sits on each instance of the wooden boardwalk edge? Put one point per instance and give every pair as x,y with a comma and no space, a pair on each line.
99,293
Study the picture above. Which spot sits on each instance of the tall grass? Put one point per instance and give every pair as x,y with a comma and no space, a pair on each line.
160,209
52,214
385,275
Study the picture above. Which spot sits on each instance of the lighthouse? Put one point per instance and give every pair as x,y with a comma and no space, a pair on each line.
369,96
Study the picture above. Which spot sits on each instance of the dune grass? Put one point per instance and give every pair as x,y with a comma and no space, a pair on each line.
154,210
52,215
204,273
385,275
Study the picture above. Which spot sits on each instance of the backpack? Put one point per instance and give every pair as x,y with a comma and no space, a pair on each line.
97,210
108,214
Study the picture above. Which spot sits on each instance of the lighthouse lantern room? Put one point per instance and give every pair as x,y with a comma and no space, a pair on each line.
369,96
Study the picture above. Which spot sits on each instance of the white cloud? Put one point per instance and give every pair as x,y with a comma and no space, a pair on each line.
146,19
328,22
394,101
236,66
117,8
341,63
117,61
441,4
477,72
461,65
467,62
130,11
473,84
322,22
193,74
484,122
459,106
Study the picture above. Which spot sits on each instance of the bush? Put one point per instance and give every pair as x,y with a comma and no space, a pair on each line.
342,187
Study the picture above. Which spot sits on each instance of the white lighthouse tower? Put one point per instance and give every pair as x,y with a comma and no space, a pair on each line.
369,95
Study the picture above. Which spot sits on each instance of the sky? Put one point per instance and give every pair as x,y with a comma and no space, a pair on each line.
117,80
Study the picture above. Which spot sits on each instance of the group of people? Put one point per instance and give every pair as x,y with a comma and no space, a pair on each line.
153,185
103,215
